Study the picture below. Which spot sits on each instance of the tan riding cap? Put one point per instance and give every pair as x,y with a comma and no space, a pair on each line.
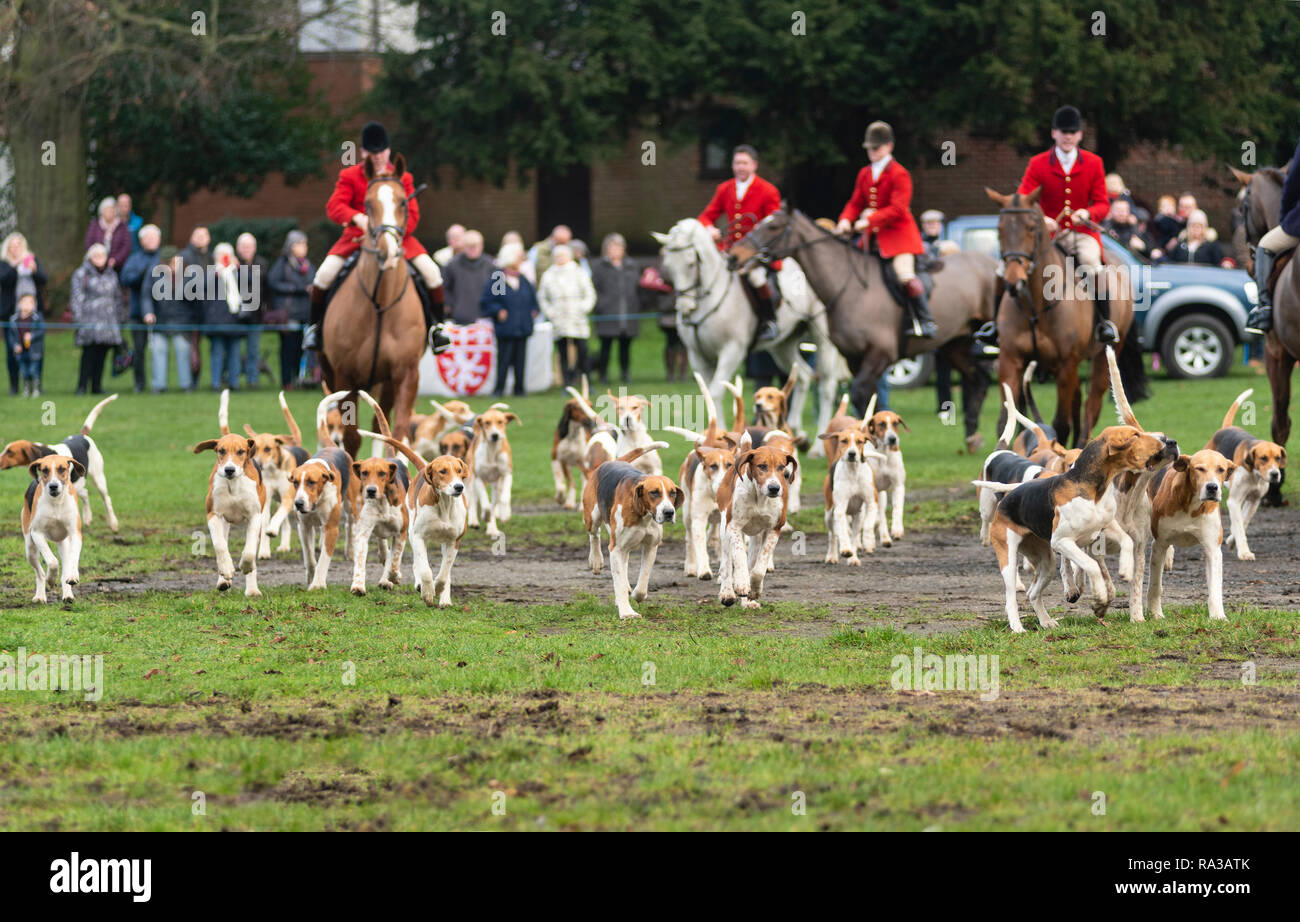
878,133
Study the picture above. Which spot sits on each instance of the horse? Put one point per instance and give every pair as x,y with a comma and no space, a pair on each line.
1260,210
1058,332
374,330
716,325
864,319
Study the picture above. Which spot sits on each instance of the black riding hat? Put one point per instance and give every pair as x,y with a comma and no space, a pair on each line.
1067,118
374,138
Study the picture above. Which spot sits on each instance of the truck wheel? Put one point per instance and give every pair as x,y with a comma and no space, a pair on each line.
1197,346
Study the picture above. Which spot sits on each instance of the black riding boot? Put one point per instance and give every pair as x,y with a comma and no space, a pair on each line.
1107,332
768,331
986,340
311,332
1261,315
923,324
432,302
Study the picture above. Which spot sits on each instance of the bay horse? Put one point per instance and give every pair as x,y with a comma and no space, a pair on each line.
374,330
1260,210
1046,315
864,319
717,326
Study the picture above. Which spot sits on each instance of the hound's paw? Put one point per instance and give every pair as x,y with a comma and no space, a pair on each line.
1136,618
570,504
445,602
749,603
628,615
223,583
264,554
1245,555
707,574
247,564
1072,596
896,534
1048,622
358,589
386,584
253,593
854,561
727,600
640,594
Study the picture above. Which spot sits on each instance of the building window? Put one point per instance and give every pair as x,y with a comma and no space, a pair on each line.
723,130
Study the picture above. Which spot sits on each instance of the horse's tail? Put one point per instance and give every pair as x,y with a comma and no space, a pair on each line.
1236,404
1132,369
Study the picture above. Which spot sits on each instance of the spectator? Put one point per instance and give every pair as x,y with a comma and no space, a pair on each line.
136,277
615,279
109,230
540,256
656,296
251,273
25,338
163,297
18,263
580,252
455,243
1116,190
132,221
526,268
96,297
566,297
220,318
1200,245
197,257
290,302
510,300
1121,224
1165,227
465,278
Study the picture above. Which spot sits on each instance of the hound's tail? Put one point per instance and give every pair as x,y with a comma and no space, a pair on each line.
223,412
871,408
583,404
401,446
843,408
738,397
379,413
1014,415
1009,430
322,409
294,432
994,487
1132,370
644,449
94,414
1232,410
1124,411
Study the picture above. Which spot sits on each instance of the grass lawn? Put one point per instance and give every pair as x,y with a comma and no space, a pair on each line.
325,711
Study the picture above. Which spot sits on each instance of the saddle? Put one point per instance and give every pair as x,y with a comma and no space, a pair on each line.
426,302
926,266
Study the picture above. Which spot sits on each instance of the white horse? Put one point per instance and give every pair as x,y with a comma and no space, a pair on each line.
716,324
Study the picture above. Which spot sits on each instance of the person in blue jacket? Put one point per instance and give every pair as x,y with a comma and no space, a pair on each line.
1277,241
510,301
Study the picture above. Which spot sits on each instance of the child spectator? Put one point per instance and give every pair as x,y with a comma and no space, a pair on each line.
26,339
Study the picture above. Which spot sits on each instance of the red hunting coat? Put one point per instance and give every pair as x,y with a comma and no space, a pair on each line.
1084,187
349,199
892,222
761,199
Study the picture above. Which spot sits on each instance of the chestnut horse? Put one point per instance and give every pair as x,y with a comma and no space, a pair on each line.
1046,315
1260,209
374,330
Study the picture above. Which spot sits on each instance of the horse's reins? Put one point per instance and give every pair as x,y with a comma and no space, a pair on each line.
766,253
1030,263
373,235
699,285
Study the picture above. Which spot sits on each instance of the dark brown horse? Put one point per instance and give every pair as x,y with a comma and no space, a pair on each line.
1046,315
864,319
374,331
1260,209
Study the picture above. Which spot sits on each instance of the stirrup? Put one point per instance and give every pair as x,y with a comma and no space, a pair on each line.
1107,333
769,331
1260,320
311,337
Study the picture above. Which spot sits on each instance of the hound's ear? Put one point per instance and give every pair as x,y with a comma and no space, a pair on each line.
282,440
828,435
478,423
638,495
35,469
1282,455
207,445
368,169
730,439
678,497
1249,462
998,197
77,471
902,423
356,468
698,451
392,469
792,463
1182,462
513,418
1232,469
746,459
252,446
464,468
399,165
329,475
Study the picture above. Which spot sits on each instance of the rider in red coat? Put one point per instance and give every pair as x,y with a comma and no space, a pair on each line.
744,201
346,207
1073,181
881,207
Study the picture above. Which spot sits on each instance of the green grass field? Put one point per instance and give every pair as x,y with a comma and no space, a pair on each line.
325,711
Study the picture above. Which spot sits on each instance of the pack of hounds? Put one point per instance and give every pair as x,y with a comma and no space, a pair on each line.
1043,508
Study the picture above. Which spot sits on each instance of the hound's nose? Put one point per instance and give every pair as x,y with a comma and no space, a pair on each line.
458,489
773,489
54,488
300,505
850,456
1211,489
668,515
494,437
891,439
229,470
1275,476
372,492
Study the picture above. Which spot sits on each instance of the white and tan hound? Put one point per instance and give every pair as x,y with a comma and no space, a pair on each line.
492,466
382,485
236,496
891,476
569,447
851,496
81,448
752,499
1258,465
50,514
324,502
278,456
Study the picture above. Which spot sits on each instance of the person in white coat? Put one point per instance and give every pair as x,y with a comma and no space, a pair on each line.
567,296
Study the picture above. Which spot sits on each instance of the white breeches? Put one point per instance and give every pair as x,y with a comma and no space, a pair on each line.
424,264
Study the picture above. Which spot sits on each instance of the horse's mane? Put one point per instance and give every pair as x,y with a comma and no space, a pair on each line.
1274,173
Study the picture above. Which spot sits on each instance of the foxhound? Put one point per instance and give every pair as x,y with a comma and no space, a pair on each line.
278,456
891,476
760,434
324,502
1258,464
752,501
236,496
850,493
634,506
632,434
382,485
1184,502
493,467
569,446
81,448
50,514
1003,465
425,430
701,474
1065,512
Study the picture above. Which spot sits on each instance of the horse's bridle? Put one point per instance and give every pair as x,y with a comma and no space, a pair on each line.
768,252
373,235
1028,260
699,286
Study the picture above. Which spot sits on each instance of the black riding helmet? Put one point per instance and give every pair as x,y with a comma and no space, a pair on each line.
374,138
